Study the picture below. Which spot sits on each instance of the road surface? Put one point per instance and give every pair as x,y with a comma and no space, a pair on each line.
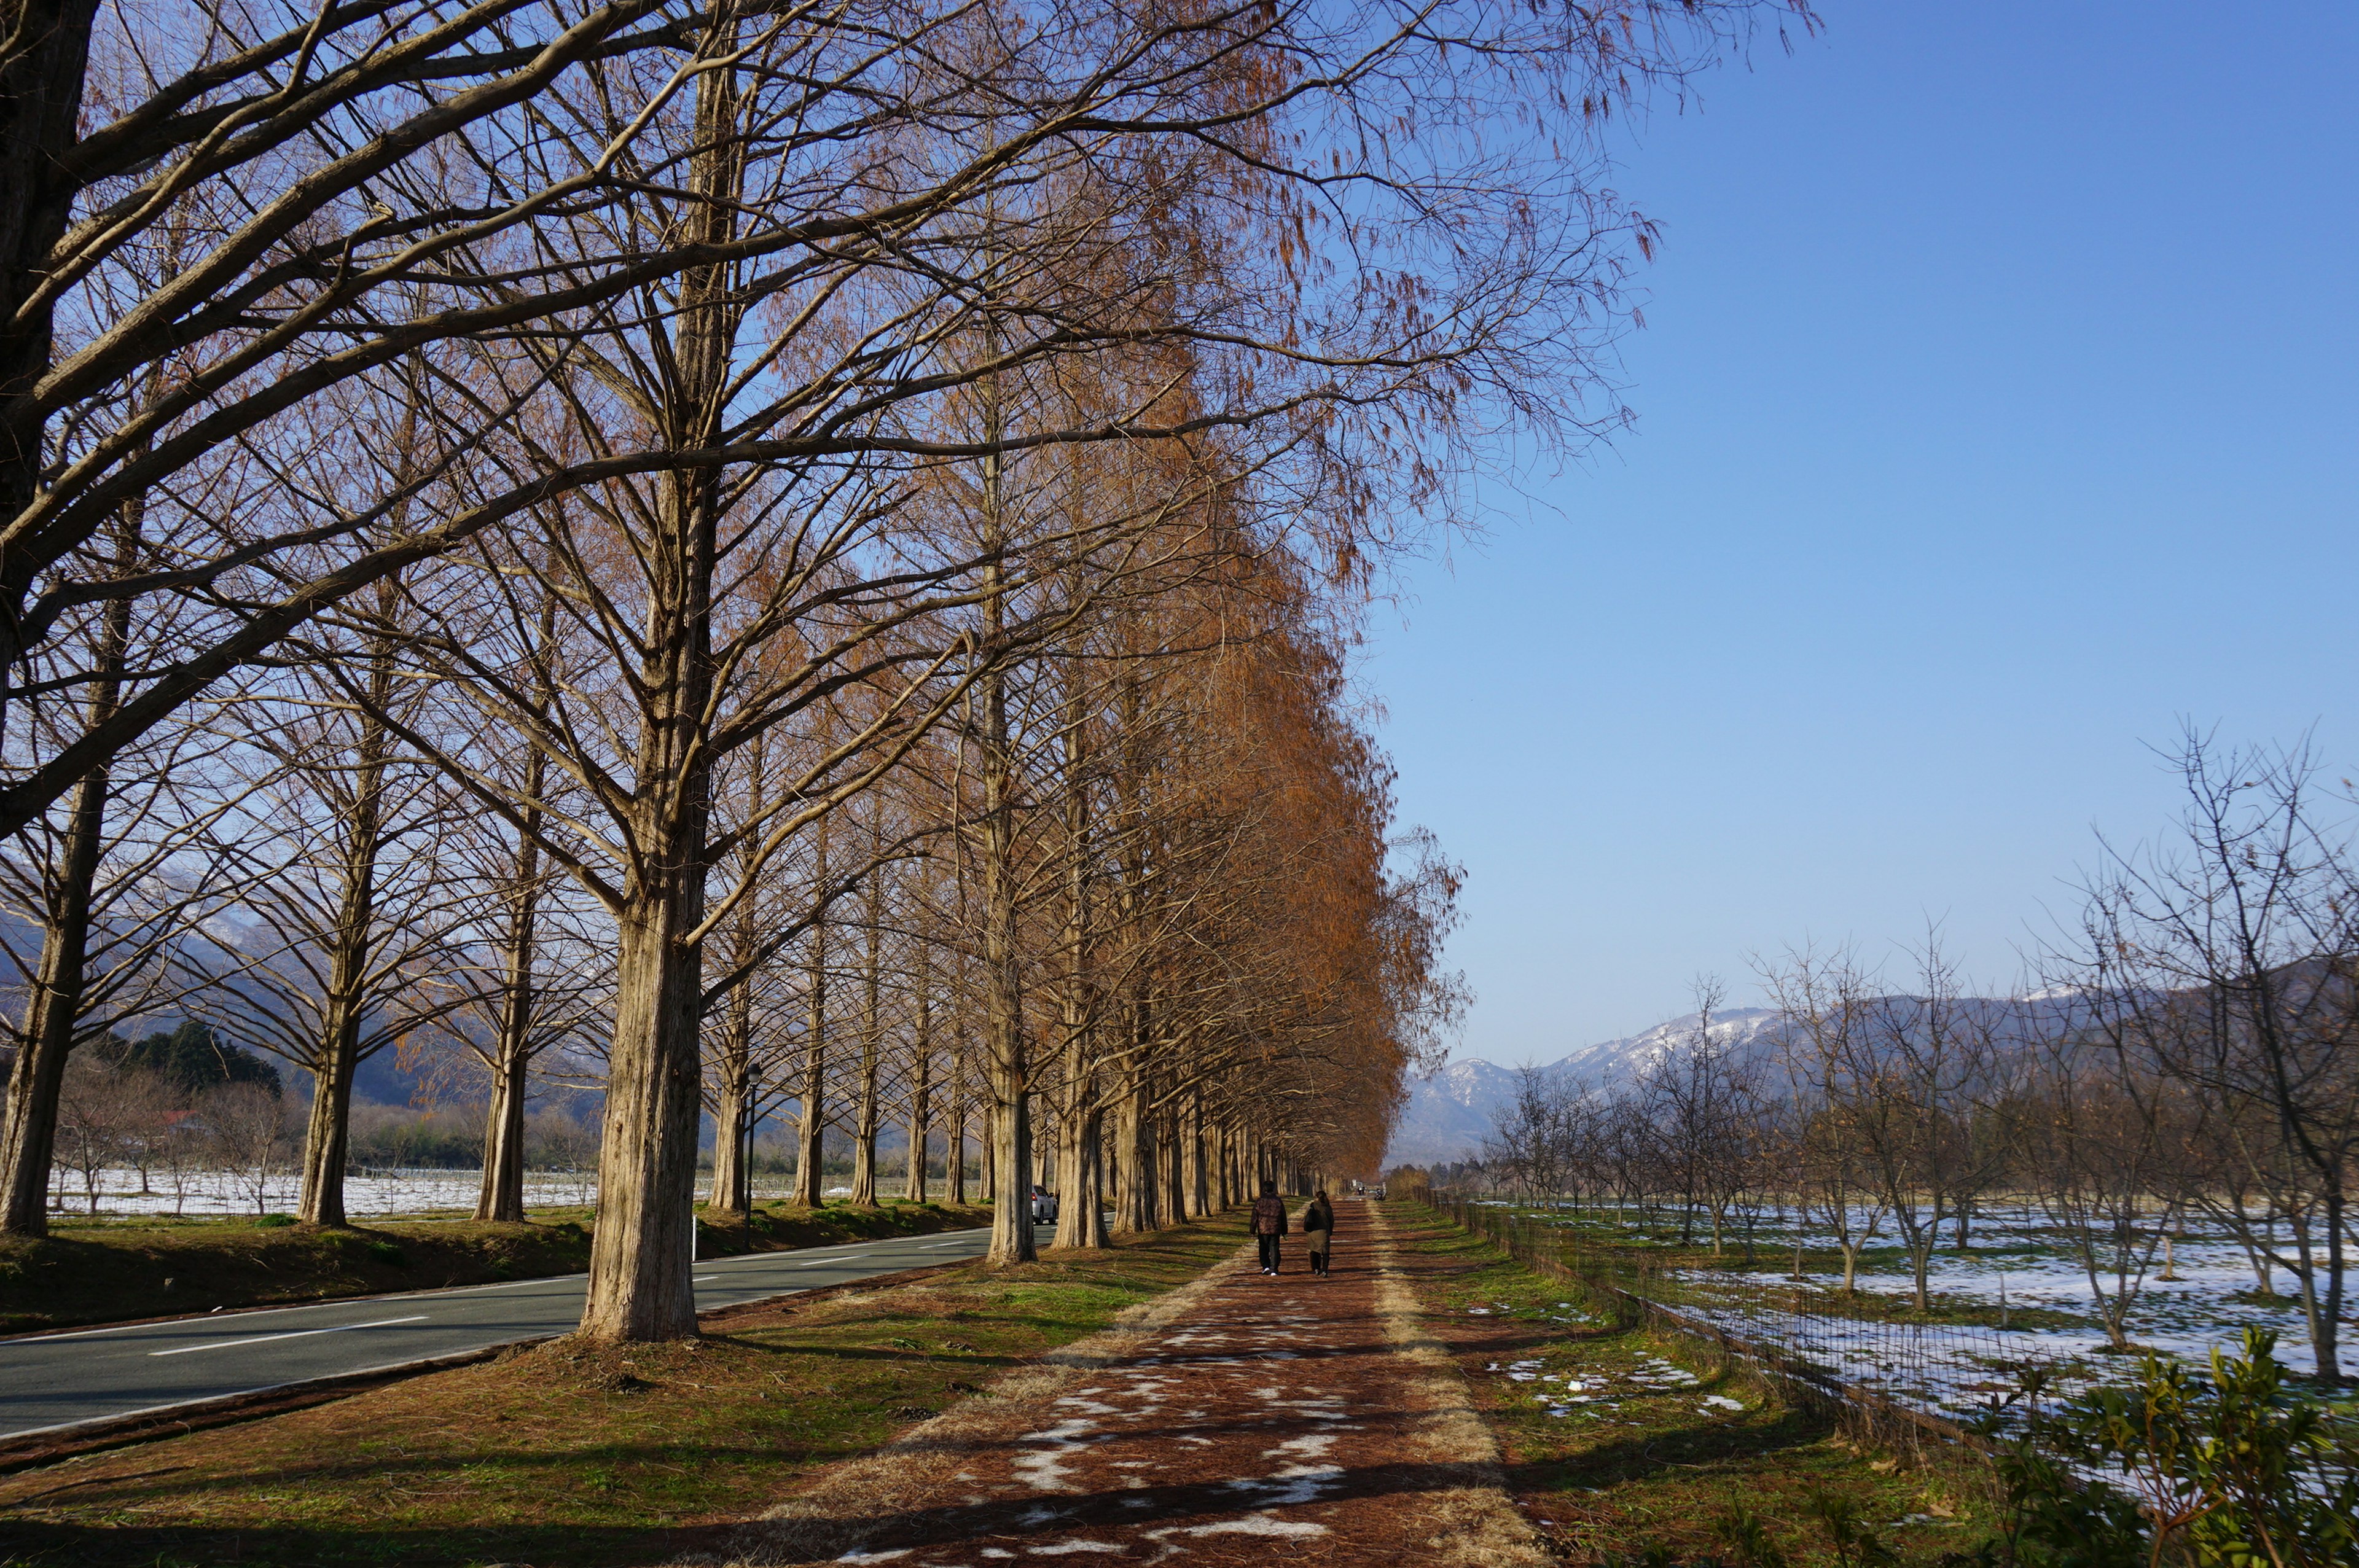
58,1379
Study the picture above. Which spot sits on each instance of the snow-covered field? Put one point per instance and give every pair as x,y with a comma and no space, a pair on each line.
2016,1262
376,1194
367,1195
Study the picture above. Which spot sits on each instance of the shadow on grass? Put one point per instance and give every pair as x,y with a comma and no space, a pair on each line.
66,1546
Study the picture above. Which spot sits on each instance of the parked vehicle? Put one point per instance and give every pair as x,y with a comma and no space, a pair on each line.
1044,1207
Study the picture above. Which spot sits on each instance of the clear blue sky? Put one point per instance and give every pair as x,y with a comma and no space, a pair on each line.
1999,407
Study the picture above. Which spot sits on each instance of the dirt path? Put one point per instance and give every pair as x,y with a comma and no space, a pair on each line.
1237,1419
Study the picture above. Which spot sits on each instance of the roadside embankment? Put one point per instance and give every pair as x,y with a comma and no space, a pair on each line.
120,1272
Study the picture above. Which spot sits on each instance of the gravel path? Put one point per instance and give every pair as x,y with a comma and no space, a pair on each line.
1236,1421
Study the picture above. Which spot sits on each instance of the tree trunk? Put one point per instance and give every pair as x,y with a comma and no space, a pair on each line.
1080,1214
812,1129
921,1084
641,1257
42,73
1011,1199
732,1176
954,1138
344,1009
1133,1161
1004,1050
870,1118
28,1143
1171,1168
641,1254
1195,1191
29,1135
501,1198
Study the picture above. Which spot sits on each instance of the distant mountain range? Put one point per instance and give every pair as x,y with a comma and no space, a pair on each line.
1450,1113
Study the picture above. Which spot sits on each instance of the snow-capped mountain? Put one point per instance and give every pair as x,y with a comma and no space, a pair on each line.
1450,1114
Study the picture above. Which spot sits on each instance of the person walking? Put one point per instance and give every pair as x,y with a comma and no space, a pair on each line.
1319,1230
1268,1224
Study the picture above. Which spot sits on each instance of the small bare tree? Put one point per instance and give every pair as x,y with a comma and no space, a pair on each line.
248,1139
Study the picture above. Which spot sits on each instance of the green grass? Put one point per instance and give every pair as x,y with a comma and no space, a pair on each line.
1665,1469
563,1453
115,1270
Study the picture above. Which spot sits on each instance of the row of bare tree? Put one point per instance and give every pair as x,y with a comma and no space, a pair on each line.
2193,1056
713,534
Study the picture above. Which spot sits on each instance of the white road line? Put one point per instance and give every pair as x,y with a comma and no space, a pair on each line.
298,1334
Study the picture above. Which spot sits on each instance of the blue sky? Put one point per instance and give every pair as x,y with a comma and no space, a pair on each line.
1998,408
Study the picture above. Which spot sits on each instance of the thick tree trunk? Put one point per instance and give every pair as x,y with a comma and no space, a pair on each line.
1080,1214
1007,1155
640,1256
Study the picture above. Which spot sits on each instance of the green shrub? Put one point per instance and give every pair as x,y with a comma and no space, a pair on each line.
1747,1539
2236,1472
273,1221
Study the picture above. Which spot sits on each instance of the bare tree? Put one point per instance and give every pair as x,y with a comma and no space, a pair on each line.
248,1138
2096,1154
2225,967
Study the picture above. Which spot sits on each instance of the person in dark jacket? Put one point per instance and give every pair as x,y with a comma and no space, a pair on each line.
1268,1224
1319,1230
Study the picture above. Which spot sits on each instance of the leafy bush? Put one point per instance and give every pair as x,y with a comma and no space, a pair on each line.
273,1221
2235,1472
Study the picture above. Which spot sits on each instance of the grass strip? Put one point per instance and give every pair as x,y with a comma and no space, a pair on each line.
1666,1449
567,1454
117,1271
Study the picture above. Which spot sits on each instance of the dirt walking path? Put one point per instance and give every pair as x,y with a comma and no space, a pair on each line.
1237,1420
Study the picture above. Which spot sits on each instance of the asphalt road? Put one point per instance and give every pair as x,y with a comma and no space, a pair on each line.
61,1378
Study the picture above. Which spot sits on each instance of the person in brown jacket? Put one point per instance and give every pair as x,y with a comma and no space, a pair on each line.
1268,1224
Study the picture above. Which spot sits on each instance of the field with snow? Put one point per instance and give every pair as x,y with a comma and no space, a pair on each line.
379,1194
1956,1359
369,1195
